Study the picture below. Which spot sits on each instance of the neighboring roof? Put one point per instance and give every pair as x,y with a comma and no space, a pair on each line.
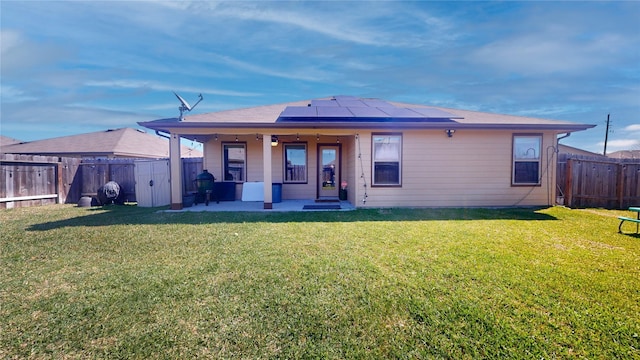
566,149
125,142
4,140
625,154
351,112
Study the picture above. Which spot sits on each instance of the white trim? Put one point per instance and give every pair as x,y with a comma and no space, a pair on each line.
33,197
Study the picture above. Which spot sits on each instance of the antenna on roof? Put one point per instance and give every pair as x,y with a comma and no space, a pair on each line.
184,105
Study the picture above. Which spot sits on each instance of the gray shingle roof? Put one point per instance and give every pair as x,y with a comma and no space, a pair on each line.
124,142
268,117
4,140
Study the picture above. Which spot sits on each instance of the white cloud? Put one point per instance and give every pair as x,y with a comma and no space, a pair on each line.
12,94
354,22
21,55
632,128
621,144
10,39
542,53
156,86
307,73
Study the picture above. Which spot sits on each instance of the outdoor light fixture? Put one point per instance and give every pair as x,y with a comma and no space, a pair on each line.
236,138
450,132
274,140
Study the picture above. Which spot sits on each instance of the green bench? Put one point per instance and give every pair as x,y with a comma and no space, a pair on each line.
624,218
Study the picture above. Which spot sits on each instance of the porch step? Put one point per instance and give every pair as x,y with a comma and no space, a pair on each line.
327,200
322,207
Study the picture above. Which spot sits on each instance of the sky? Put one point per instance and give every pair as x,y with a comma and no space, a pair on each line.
72,67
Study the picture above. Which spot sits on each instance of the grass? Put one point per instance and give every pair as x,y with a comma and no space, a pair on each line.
128,282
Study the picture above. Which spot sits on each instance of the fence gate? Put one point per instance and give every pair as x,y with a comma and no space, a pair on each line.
153,186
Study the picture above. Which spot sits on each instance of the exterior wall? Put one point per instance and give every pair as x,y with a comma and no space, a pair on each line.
213,161
303,190
351,168
470,169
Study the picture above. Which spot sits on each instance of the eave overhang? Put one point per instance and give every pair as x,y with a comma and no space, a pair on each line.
183,127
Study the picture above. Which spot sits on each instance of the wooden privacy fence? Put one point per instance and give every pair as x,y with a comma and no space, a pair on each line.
95,173
191,168
598,182
32,180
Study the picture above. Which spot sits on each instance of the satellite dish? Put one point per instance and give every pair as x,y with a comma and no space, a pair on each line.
184,105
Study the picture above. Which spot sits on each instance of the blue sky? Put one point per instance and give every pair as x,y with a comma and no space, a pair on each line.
70,67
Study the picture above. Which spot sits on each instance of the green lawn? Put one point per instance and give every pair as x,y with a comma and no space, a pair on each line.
128,282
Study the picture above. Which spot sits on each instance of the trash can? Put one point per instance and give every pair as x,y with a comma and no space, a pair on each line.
276,192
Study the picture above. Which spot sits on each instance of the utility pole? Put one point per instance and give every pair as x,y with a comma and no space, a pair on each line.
606,136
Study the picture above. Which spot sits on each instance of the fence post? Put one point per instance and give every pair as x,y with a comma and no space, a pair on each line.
620,185
568,188
58,177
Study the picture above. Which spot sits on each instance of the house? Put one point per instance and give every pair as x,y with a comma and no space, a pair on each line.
625,154
386,154
5,140
570,150
113,143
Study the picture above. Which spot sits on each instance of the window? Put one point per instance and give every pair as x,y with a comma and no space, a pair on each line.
526,159
295,163
387,150
234,162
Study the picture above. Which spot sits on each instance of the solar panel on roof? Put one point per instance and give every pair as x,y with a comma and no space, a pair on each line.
346,97
324,103
368,112
351,103
401,112
376,103
352,109
299,111
334,111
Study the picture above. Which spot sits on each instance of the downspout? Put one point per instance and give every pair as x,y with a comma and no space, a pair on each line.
162,135
557,151
557,140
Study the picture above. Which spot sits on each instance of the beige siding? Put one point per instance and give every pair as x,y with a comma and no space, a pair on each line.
213,158
469,169
350,167
213,162
306,190
472,168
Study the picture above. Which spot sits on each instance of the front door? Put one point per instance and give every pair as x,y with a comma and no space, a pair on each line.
328,171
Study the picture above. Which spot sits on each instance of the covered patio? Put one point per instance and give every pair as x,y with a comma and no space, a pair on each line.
284,206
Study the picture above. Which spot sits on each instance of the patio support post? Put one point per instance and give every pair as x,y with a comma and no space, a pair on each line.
175,172
266,165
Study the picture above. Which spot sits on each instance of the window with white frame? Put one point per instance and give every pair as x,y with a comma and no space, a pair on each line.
387,159
526,159
295,163
234,161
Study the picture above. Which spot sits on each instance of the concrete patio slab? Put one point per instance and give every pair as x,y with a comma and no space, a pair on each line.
285,205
